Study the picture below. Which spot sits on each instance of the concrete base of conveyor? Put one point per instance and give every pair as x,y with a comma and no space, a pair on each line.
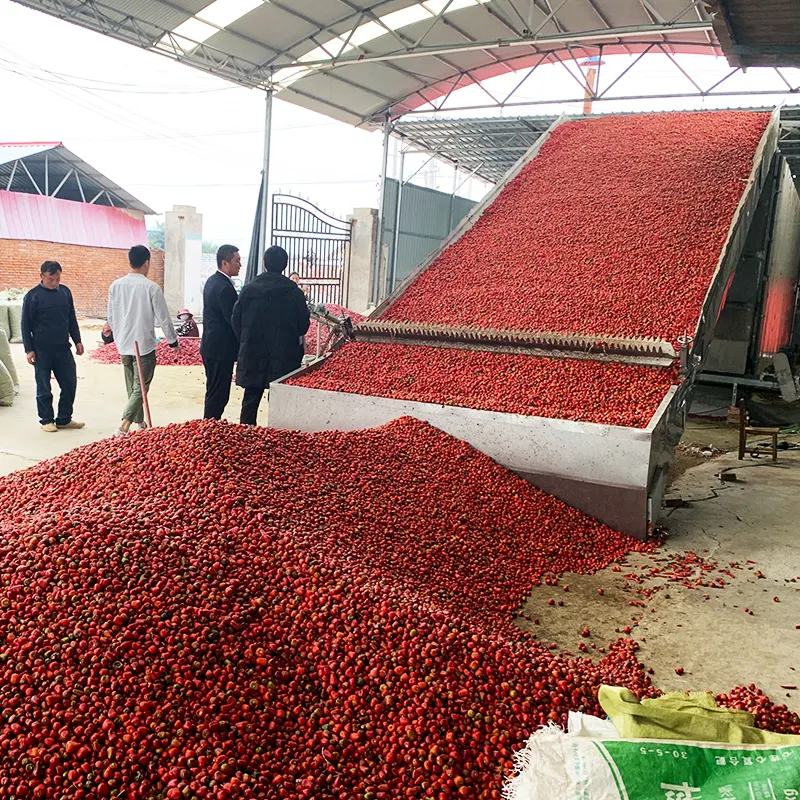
612,473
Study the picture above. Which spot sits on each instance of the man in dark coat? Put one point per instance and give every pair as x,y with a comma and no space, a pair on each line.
48,323
219,345
270,320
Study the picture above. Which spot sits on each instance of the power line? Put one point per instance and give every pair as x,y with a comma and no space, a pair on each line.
124,88
164,89
259,131
173,136
44,82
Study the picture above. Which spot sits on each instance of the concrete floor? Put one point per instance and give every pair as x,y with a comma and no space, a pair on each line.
718,644
706,631
176,395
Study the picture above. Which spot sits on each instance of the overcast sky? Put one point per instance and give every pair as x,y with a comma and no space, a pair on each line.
170,134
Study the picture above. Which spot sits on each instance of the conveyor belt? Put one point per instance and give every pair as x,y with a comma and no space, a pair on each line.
646,352
386,324
611,471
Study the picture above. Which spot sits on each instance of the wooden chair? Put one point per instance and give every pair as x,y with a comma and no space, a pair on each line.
746,430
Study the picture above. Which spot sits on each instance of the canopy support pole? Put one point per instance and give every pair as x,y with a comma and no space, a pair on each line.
396,237
264,229
376,262
453,196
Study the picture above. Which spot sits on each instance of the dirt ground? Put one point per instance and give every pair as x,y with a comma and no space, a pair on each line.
176,395
742,626
744,630
702,435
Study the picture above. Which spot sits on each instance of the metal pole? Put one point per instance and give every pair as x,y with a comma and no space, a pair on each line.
376,264
265,179
453,197
396,237
142,387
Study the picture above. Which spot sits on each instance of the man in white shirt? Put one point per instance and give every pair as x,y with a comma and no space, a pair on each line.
135,306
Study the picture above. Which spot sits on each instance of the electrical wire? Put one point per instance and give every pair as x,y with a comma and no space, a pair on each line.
80,82
199,151
251,131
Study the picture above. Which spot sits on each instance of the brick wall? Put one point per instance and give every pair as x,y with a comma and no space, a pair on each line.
157,267
88,271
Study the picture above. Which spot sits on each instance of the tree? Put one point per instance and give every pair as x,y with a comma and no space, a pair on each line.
156,239
156,236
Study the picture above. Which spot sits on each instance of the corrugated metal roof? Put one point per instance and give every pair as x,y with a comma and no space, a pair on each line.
357,60
762,34
49,166
487,146
34,217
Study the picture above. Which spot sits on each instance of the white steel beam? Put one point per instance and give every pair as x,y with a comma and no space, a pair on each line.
63,181
80,186
602,35
28,173
11,176
596,99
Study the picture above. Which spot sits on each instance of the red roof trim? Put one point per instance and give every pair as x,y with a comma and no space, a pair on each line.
31,144
33,217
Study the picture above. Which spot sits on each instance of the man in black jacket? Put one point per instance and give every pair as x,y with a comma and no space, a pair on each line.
48,322
269,319
219,345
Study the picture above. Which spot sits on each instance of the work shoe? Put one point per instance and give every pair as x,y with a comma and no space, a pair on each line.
49,427
71,425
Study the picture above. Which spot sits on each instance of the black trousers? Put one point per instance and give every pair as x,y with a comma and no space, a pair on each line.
250,403
218,387
61,364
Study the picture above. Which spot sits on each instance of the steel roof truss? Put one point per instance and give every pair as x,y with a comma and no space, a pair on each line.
722,80
672,58
527,75
28,173
11,176
63,181
627,70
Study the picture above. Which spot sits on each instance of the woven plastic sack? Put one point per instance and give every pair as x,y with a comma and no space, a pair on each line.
557,766
15,320
5,321
7,360
6,387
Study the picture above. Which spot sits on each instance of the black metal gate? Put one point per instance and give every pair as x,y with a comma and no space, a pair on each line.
317,243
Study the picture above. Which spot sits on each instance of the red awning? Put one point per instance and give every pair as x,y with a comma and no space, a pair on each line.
47,219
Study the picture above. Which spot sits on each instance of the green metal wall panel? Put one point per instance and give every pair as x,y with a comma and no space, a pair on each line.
426,218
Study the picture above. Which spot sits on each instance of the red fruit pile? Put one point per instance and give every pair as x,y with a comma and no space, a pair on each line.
187,356
767,714
616,227
589,391
240,625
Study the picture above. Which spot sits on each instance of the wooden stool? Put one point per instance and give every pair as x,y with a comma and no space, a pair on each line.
746,430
